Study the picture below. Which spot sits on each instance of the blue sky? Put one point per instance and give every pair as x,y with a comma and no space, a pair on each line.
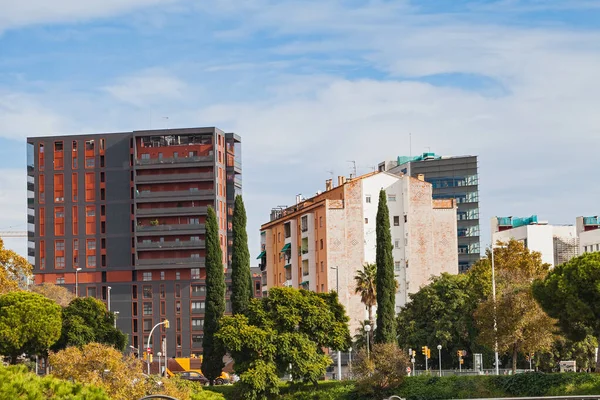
312,84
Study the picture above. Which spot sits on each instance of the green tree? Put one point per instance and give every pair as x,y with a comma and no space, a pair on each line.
522,324
59,294
439,313
289,327
571,293
212,358
365,287
29,323
382,370
583,352
86,320
385,280
241,278
17,383
15,271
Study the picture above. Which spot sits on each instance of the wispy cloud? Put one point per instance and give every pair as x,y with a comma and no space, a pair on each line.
147,88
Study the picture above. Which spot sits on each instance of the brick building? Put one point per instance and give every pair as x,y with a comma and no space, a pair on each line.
120,217
308,244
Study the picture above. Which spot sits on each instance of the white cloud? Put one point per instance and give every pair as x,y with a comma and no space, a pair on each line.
23,115
147,88
13,203
21,13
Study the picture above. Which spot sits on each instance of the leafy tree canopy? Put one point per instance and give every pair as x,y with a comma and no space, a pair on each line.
14,270
86,320
61,295
289,327
29,323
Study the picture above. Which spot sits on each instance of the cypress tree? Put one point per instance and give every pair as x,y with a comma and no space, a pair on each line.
212,357
385,281
241,278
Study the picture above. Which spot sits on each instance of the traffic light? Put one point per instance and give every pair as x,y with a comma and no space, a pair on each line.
414,353
145,356
459,353
428,352
166,324
462,361
150,355
424,350
527,357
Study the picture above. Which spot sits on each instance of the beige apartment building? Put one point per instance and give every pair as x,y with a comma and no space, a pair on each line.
308,244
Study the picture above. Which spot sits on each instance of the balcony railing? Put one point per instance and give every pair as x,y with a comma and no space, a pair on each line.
176,193
175,177
173,160
171,261
591,221
175,227
172,210
172,244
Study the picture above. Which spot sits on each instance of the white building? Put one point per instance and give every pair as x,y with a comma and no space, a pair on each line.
307,245
556,243
588,230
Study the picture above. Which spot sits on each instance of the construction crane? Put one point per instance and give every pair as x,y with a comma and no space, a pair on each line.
13,234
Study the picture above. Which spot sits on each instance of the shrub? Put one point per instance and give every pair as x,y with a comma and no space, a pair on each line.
382,371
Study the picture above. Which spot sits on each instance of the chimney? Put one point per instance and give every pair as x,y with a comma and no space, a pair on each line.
421,177
340,182
328,185
298,198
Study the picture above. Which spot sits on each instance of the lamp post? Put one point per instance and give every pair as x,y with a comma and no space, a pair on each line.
495,313
108,297
439,347
337,289
116,313
367,330
77,282
166,324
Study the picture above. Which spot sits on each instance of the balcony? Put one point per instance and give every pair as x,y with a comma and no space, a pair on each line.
173,161
169,263
172,245
166,178
591,221
205,194
176,229
172,211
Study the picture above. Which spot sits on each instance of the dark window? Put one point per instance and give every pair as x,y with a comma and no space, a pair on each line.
102,209
396,220
147,292
135,326
101,161
102,194
101,176
103,276
103,243
102,226
134,310
103,260
177,291
134,291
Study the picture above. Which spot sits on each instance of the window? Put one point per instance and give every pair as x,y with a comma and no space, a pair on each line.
322,288
148,308
177,290
321,244
59,262
321,266
90,212
198,290
91,292
60,245
134,292
196,272
368,198
397,266
405,218
197,324
147,325
396,220
366,220
91,244
147,292
147,276
60,281
397,243
304,223
178,307
134,310
162,275
197,306
197,340
75,244
178,341
391,197
162,291
163,308
195,238
193,221
177,275
178,324
91,261
320,222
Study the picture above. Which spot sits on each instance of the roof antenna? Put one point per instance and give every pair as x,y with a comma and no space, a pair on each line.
353,163
410,144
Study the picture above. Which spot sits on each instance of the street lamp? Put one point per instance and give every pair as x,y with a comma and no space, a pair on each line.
367,330
166,324
77,282
439,346
337,290
116,313
495,313
108,297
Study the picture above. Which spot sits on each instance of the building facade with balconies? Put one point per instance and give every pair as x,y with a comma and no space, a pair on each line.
451,178
329,237
128,210
588,231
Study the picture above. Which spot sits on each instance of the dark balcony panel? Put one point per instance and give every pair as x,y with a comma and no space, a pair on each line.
187,244
179,229
171,211
170,263
177,162
145,197
167,178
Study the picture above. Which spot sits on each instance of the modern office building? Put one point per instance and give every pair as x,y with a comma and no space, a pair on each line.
451,178
120,217
327,239
556,243
588,231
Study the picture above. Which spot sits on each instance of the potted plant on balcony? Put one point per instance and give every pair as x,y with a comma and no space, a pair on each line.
154,222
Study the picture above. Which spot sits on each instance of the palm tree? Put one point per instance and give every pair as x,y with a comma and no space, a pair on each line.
365,286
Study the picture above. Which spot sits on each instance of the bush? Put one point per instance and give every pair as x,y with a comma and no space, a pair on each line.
383,370
17,383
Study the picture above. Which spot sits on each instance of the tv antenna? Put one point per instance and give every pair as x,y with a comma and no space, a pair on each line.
354,168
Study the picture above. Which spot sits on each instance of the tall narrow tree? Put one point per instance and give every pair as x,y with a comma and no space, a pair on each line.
365,286
385,281
241,278
212,358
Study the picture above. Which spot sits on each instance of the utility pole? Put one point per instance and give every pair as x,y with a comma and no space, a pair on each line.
337,289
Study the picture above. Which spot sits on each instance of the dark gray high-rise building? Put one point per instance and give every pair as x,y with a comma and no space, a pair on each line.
451,177
120,217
